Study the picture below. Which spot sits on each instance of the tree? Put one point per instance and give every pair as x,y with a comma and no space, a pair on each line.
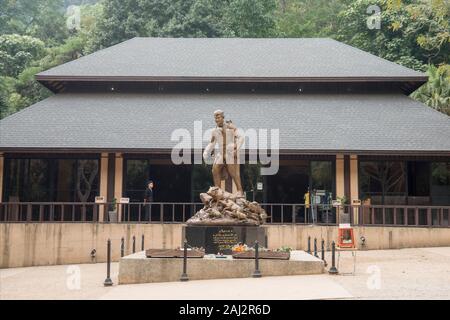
125,19
436,92
308,18
390,176
412,33
43,19
17,52
18,88
249,18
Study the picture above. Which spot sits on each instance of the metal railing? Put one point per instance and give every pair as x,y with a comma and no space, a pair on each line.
50,211
403,215
180,212
157,212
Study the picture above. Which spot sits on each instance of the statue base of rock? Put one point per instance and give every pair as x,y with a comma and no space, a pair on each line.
224,208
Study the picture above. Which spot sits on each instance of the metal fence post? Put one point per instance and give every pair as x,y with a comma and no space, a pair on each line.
142,243
315,248
333,269
108,282
256,273
122,247
134,244
323,252
184,276
309,245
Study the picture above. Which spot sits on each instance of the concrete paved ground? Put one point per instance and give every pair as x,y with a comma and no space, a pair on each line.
386,274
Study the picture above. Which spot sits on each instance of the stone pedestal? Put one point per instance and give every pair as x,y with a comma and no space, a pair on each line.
137,268
220,239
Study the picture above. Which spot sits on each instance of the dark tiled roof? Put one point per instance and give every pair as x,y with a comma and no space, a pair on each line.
231,58
351,122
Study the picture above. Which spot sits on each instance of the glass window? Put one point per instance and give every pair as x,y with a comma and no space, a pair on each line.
44,180
440,173
66,180
440,183
250,177
201,180
289,184
172,183
384,182
38,180
86,185
322,175
136,178
419,179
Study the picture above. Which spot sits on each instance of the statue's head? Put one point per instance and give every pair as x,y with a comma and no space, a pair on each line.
219,117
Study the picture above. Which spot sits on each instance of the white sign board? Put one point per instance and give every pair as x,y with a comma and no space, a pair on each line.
259,186
124,200
337,203
100,199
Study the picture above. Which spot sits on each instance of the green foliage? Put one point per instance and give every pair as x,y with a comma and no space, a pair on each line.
343,199
34,35
17,52
125,19
43,19
25,56
284,249
414,33
113,205
249,18
6,90
308,18
436,92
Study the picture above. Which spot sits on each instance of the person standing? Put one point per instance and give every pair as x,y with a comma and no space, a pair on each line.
306,199
148,199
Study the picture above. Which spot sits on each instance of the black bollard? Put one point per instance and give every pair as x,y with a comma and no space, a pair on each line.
184,276
333,269
122,247
142,243
323,253
315,248
256,273
108,282
134,244
309,245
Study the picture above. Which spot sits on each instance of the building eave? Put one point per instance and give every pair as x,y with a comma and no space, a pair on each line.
32,150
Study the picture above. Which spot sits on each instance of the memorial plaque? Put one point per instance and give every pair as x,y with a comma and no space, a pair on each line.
220,239
225,239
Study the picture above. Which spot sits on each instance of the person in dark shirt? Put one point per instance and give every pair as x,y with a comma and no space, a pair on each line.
148,198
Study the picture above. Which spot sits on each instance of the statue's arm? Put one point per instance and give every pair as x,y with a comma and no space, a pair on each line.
239,140
209,148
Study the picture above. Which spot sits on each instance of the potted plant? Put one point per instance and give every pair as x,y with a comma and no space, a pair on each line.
112,212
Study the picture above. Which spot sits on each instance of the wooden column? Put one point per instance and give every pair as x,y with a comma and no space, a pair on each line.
118,183
2,168
354,185
103,185
340,184
340,180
